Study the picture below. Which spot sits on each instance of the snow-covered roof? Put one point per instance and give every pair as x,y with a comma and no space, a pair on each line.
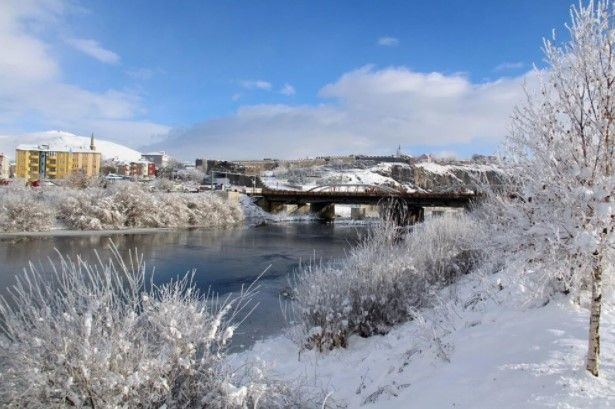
54,148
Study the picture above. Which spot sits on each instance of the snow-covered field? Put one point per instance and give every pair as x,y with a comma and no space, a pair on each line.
494,353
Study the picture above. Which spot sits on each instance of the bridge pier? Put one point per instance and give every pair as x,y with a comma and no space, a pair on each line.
298,209
324,211
271,206
358,213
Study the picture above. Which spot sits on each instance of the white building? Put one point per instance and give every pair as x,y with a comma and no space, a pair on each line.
160,159
5,166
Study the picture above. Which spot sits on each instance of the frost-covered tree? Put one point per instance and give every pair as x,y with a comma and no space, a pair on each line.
558,218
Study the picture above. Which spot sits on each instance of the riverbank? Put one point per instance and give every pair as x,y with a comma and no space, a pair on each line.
468,353
249,223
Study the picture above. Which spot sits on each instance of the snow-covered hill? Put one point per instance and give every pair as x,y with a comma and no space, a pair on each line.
61,140
420,176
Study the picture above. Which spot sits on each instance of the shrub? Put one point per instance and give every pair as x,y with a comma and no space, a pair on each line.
386,277
96,335
80,180
90,210
24,210
127,205
164,185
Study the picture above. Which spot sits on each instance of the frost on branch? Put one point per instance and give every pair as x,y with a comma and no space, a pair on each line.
97,335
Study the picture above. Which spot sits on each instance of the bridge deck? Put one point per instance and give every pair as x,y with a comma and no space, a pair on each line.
419,199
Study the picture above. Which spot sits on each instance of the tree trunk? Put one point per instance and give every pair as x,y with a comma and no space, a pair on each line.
593,353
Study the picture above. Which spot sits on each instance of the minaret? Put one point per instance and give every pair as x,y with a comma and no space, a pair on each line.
92,145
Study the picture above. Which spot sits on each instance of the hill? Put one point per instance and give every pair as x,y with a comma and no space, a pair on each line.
61,140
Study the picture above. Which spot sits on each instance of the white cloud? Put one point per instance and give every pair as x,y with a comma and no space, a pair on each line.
255,84
368,110
140,74
505,66
93,49
388,41
287,90
24,57
33,93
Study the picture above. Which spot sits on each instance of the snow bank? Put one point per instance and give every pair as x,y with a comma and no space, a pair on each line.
475,352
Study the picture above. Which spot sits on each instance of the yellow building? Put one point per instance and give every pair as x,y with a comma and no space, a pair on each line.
43,162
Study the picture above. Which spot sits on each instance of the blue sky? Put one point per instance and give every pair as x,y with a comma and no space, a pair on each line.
273,78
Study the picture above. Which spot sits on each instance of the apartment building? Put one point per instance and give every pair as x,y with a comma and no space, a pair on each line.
44,162
139,169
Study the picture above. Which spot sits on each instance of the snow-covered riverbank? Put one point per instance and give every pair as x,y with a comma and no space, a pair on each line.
473,354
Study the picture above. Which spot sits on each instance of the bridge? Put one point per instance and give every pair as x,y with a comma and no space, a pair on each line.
406,207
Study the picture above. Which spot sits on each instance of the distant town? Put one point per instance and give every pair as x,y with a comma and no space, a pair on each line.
50,163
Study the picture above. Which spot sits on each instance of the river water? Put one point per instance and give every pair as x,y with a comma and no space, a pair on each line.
224,260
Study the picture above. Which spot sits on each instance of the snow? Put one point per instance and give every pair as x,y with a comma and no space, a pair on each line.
63,140
493,355
323,176
434,168
445,169
379,175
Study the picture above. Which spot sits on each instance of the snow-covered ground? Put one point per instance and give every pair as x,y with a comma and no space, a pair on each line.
323,175
484,354
450,168
62,140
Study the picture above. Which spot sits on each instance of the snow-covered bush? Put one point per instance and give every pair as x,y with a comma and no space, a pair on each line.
386,277
128,205
80,180
164,185
443,248
89,210
24,210
191,175
99,336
